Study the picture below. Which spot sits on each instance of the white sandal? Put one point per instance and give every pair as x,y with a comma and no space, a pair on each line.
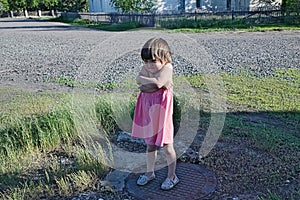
168,184
143,179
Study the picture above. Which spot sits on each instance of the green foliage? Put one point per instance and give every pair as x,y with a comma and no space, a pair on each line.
273,93
73,5
136,6
291,6
266,137
44,131
271,196
16,4
40,129
105,116
4,6
32,4
125,26
181,24
265,94
68,5
66,81
50,3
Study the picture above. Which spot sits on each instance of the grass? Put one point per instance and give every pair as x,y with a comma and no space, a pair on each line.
214,23
38,136
274,99
271,196
97,25
46,151
193,27
274,93
210,24
71,82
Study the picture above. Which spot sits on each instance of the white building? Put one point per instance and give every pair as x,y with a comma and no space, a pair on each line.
101,6
175,6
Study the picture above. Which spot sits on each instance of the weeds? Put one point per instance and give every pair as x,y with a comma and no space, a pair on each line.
271,196
125,26
65,138
193,24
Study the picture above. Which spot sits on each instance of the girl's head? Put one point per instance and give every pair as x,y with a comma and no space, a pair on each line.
156,49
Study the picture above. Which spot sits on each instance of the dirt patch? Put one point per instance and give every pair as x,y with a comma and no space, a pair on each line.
246,172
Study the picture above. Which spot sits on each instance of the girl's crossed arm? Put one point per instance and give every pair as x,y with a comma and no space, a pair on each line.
145,87
163,78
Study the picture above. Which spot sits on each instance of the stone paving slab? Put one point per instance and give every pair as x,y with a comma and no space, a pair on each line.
196,182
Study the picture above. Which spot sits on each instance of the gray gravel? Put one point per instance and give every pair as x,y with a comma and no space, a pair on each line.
38,52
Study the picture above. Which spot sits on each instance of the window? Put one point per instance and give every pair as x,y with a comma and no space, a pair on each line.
182,5
198,3
228,5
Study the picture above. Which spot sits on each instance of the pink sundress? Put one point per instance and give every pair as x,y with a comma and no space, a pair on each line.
153,117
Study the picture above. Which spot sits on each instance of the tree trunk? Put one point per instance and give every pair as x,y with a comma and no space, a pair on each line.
39,13
26,13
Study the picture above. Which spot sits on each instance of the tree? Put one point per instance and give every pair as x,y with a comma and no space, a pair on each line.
67,5
4,6
50,4
286,5
127,6
32,4
268,4
73,5
291,5
16,4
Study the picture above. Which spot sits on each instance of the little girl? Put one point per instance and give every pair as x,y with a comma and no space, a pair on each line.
154,109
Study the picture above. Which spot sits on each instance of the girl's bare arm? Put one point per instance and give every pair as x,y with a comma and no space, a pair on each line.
162,79
145,87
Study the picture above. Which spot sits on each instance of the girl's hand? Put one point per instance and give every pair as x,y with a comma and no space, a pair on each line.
148,88
168,85
160,79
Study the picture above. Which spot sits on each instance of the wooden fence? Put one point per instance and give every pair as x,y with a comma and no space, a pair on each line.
157,20
110,18
165,20
37,13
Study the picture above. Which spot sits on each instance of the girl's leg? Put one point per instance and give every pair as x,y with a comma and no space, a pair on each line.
151,158
171,160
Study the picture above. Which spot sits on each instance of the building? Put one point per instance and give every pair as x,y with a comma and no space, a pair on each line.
177,6
101,6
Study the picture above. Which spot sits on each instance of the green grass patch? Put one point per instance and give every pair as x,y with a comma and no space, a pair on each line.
265,136
43,151
72,82
271,196
194,25
239,27
218,24
125,26
277,93
263,94
49,141
265,109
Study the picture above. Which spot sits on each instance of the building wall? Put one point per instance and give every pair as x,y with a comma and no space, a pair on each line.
175,6
167,6
190,5
101,6
227,5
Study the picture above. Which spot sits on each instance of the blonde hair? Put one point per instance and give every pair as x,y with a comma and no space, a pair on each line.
156,48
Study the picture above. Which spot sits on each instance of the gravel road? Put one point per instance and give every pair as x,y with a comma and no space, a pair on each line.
36,52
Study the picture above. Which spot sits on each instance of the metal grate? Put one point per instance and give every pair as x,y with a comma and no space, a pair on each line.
196,182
